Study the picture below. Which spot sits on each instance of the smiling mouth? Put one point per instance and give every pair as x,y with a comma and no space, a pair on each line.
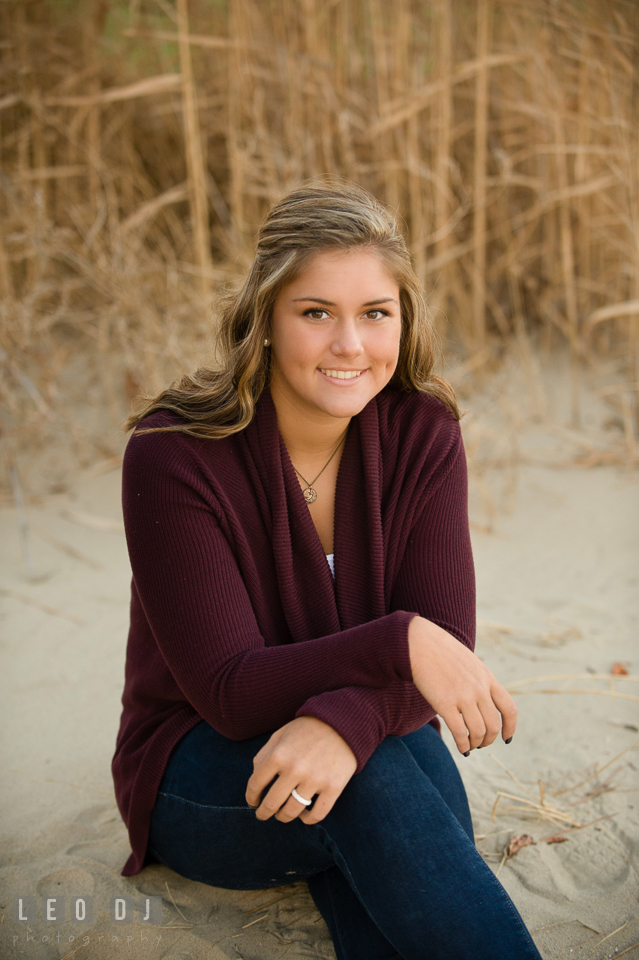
342,374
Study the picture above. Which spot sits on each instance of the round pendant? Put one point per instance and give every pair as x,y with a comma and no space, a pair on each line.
310,495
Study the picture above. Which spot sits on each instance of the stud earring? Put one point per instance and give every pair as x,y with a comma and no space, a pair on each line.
266,342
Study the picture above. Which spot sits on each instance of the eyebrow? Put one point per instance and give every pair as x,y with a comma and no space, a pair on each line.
329,303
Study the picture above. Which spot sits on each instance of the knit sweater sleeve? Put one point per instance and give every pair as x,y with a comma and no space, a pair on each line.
436,579
198,608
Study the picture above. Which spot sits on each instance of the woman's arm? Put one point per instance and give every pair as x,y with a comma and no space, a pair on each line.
470,701
436,579
363,716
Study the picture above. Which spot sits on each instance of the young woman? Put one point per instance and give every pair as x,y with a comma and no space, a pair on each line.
303,604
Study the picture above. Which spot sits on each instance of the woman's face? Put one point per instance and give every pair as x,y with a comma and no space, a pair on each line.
335,334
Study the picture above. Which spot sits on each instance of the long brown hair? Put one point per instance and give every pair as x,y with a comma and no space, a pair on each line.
318,216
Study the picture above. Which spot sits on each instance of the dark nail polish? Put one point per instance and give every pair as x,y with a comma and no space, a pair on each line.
508,740
467,754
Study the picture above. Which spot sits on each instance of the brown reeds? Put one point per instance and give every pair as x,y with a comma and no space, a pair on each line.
141,143
480,192
196,182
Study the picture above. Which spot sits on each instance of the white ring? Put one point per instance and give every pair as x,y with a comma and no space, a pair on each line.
299,799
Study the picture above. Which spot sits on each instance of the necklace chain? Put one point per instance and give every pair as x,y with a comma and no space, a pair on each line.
310,495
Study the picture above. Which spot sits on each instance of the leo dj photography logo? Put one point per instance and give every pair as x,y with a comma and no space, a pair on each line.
80,909
54,909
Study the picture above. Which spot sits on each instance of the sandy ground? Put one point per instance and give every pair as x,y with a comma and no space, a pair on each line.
558,568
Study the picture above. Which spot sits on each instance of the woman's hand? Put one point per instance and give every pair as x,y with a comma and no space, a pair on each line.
306,755
468,698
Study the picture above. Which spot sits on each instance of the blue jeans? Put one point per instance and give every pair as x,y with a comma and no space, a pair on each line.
392,868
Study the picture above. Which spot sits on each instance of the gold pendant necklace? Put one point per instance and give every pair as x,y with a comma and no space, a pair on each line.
309,494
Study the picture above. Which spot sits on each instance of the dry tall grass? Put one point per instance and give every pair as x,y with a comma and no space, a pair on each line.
142,141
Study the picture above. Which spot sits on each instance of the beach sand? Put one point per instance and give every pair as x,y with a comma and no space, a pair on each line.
556,552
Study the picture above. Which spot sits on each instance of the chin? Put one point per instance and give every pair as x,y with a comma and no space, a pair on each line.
345,408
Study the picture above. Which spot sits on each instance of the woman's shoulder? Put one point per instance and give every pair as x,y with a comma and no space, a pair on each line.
420,443
154,432
419,419
175,468
155,440
159,419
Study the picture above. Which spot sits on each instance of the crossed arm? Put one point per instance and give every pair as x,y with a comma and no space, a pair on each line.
402,666
310,756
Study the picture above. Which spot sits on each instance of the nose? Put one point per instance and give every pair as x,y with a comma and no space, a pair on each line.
347,341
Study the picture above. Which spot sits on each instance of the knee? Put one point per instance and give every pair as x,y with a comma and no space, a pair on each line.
390,773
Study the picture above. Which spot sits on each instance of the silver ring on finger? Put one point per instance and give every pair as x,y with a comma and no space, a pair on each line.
299,799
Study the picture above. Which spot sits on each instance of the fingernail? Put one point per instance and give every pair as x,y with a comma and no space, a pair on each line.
467,754
508,740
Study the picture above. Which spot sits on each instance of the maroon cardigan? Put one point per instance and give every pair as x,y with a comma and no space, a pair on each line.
235,617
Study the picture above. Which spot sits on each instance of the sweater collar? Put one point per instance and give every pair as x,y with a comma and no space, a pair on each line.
357,594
